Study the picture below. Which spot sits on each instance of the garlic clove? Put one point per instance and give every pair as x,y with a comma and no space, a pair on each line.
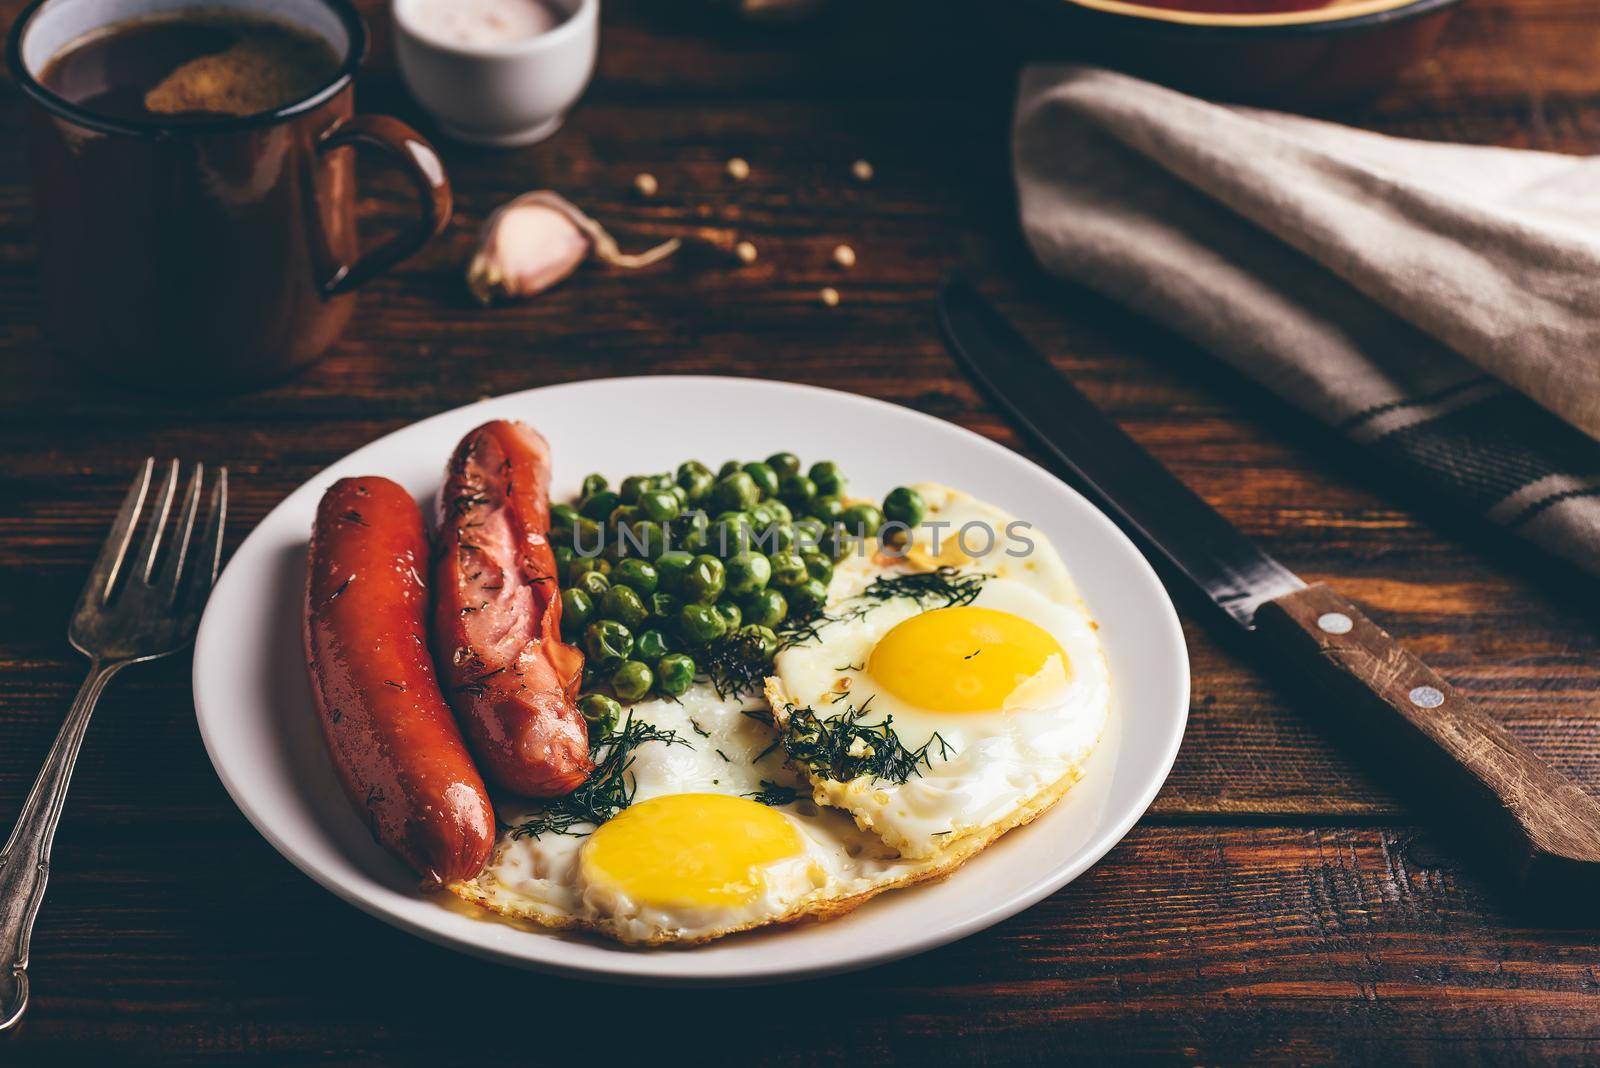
536,241
525,249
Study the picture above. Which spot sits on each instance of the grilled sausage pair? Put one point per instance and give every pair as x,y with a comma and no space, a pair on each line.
506,673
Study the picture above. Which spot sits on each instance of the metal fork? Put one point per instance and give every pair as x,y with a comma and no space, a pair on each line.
134,607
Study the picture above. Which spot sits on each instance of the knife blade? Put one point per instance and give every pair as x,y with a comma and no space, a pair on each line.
1538,821
1124,480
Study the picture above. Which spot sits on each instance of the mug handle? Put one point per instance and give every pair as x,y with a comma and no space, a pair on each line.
405,147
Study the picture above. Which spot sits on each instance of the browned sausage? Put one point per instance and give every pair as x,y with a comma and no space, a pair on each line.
394,741
497,616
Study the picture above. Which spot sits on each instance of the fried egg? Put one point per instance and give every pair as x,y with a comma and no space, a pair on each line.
695,856
995,702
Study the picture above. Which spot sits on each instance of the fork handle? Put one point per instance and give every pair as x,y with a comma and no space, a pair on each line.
25,864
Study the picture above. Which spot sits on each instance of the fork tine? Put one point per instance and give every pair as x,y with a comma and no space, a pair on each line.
168,581
209,553
103,576
150,543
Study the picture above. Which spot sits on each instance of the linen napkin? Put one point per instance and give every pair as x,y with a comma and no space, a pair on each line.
1439,304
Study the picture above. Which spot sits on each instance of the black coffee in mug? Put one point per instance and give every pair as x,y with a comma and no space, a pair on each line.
194,177
196,64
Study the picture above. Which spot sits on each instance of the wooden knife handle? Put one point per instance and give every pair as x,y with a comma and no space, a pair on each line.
1544,824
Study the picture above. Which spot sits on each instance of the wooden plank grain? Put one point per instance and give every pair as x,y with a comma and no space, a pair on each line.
1276,905
1222,945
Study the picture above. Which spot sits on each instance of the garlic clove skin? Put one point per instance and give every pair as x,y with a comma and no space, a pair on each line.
525,248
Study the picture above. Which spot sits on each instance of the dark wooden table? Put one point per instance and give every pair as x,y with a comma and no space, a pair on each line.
1275,904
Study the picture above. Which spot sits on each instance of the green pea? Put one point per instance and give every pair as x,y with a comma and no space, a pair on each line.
788,569
808,532
705,579
862,520
651,646
728,467
837,543
798,490
659,506
607,640
829,480
747,572
904,505
680,495
775,539
564,557
644,538
623,514
625,606
601,713
827,508
599,505
697,483
593,484
632,487
670,568
818,566
765,478
582,565
577,609
731,616
687,526
731,532
587,536
695,539
664,606
737,492
632,680
765,608
764,637
638,575
691,467
784,463
700,623
808,597
762,515
563,515
593,583
674,674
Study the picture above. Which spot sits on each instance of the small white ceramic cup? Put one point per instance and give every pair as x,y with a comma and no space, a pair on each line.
506,94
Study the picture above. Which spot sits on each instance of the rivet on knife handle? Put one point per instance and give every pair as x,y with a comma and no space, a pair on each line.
1356,668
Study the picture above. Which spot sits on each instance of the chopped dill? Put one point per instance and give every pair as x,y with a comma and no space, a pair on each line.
972,654
736,665
843,748
774,794
607,791
926,587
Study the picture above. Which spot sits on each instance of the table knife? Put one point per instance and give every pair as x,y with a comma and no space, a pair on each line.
1542,826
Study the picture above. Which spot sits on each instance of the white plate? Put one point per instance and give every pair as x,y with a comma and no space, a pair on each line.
254,704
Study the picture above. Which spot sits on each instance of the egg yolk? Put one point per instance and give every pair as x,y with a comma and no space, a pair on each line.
685,850
962,659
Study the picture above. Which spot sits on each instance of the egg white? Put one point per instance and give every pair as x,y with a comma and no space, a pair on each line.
543,879
992,767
